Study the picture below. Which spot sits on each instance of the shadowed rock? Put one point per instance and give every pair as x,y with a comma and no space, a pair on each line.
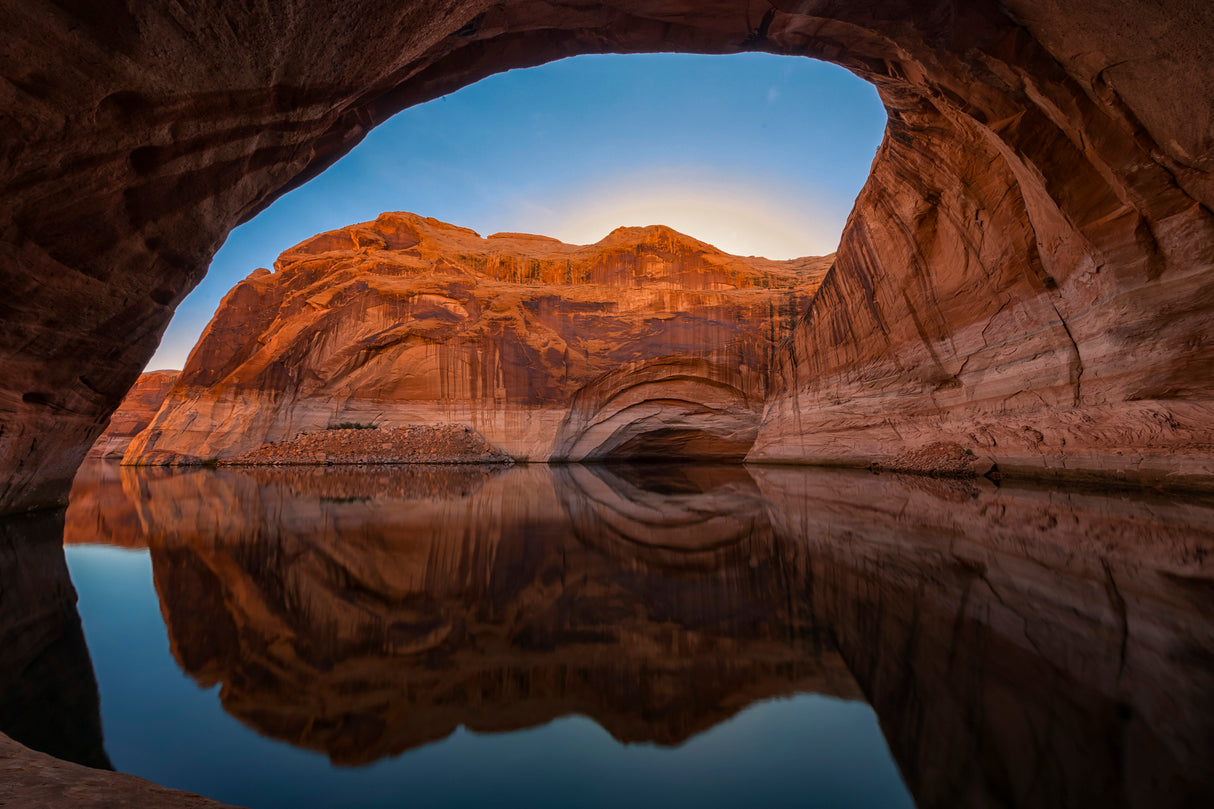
1022,648
30,778
48,695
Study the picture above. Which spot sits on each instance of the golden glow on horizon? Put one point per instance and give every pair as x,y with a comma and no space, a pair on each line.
734,216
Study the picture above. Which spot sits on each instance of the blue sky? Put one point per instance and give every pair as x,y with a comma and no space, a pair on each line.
757,154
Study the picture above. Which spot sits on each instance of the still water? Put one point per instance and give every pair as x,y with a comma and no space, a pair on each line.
636,635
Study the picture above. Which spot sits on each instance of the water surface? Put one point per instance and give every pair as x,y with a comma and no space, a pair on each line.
648,635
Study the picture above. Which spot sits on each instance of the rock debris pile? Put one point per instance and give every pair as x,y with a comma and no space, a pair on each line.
444,443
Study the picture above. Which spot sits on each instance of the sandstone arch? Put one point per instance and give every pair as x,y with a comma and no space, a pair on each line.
1027,271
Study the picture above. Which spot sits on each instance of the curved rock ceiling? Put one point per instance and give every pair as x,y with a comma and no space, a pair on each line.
1026,274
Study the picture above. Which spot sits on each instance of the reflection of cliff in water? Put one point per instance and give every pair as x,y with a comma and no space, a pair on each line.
48,694
364,615
1021,647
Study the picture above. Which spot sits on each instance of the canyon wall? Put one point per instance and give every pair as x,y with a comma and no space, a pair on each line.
134,414
647,343
1029,264
1025,278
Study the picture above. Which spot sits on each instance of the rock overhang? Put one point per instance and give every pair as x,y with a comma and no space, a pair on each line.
1037,226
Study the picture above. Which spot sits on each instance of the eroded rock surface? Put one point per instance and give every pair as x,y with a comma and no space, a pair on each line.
648,342
1027,273
1033,248
30,778
134,414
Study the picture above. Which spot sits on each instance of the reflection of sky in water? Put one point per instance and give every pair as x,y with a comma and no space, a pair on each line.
809,750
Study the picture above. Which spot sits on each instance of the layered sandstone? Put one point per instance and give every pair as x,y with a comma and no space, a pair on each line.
1055,328
1033,248
647,343
134,414
137,138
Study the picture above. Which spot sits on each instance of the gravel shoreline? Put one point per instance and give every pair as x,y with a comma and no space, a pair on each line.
414,444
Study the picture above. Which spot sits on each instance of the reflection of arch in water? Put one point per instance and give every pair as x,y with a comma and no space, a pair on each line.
1020,646
48,693
371,622
681,516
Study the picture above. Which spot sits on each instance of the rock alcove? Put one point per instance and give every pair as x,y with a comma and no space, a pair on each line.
1027,274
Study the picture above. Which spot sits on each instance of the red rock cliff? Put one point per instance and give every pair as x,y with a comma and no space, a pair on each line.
1033,250
135,413
646,343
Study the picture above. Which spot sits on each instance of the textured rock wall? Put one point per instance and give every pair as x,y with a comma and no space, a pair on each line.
1053,159
548,350
134,414
1025,276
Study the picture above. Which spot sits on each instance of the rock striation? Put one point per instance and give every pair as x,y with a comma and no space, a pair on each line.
647,343
1032,250
134,414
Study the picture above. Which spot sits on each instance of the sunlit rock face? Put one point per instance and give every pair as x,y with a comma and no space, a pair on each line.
1033,249
365,613
548,350
134,414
